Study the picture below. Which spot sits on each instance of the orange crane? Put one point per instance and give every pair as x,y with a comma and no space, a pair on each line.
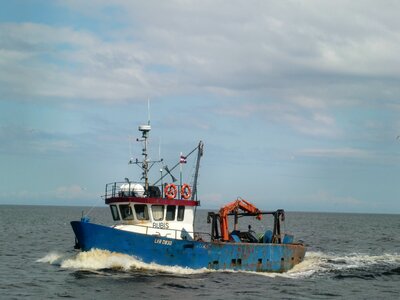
233,207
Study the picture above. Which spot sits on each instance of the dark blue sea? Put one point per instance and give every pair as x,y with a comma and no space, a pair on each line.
350,256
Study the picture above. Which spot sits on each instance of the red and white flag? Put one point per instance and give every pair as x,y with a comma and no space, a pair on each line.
183,159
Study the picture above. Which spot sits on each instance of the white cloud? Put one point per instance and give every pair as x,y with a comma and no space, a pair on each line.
336,153
65,63
323,118
68,192
23,140
309,118
308,102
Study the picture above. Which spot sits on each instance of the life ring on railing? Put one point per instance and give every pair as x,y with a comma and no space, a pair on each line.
170,191
186,191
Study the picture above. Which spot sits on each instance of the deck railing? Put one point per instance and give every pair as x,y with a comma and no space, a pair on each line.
114,189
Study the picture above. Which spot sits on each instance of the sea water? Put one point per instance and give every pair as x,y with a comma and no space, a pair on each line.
351,256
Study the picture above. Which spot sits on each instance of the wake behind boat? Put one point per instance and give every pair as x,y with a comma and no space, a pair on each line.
155,224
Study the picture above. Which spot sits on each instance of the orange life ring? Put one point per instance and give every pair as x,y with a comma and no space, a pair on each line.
170,191
186,191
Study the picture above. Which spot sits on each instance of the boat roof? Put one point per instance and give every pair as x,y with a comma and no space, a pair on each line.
150,200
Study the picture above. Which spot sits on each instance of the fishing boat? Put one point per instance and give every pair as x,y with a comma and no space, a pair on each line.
154,222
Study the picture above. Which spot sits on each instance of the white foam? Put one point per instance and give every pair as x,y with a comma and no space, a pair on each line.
103,259
357,260
51,258
319,263
309,266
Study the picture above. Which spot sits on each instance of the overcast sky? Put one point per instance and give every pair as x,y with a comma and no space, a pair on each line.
297,102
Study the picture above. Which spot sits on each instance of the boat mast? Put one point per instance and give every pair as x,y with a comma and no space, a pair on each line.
145,129
196,173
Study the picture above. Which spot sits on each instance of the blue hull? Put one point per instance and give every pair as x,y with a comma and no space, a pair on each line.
191,254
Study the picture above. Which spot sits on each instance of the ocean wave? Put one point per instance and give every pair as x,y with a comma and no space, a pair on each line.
315,264
95,260
51,258
348,265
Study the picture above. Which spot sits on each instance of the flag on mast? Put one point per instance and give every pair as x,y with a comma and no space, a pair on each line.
182,160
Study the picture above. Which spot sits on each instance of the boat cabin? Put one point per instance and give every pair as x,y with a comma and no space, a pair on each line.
154,212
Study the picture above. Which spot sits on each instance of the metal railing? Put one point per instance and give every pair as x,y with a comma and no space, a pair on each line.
114,189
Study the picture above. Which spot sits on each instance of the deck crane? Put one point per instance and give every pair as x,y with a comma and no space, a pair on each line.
233,207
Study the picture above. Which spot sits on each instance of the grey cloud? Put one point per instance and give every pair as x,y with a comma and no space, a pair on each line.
327,50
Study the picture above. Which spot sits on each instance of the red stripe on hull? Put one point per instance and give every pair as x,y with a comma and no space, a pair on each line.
162,201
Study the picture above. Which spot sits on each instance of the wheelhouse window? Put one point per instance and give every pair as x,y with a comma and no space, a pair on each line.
181,213
142,212
126,212
170,213
158,212
114,212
